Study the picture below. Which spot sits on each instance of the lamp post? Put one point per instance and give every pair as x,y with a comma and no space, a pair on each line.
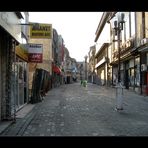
118,27
86,67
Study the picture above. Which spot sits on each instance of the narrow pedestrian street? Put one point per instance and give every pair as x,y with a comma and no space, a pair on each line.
74,110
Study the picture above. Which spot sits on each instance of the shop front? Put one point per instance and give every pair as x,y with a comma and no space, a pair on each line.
144,68
10,36
21,77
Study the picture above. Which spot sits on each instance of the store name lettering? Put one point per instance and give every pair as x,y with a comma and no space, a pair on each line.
35,46
37,56
41,28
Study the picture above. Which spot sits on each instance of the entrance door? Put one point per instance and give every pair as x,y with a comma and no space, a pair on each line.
25,82
126,79
21,82
20,78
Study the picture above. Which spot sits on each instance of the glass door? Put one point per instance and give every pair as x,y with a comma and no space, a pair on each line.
21,82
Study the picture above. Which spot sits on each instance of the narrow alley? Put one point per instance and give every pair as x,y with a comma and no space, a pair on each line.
74,110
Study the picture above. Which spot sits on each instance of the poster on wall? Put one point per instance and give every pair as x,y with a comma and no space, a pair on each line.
35,53
40,30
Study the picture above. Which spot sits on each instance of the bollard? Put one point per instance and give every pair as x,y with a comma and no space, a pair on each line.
119,96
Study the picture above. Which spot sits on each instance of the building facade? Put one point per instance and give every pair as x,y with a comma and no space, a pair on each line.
103,75
56,71
91,64
41,70
132,45
13,67
103,52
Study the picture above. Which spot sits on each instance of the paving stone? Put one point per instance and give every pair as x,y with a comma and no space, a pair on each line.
72,110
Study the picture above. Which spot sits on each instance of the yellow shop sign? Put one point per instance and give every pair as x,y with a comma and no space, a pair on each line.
40,30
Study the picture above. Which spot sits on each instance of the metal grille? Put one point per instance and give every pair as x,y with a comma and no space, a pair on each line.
8,78
8,112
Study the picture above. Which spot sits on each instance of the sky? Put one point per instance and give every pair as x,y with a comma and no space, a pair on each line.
77,29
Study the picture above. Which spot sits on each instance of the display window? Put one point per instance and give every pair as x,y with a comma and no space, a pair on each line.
19,89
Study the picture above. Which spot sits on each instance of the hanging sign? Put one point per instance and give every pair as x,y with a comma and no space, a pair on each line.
35,53
40,30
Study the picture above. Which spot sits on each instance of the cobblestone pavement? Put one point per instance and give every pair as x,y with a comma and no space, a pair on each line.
74,110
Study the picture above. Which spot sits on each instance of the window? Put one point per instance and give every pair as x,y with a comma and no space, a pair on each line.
123,33
147,58
137,71
133,28
127,27
143,24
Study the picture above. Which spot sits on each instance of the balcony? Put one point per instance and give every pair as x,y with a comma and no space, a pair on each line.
103,60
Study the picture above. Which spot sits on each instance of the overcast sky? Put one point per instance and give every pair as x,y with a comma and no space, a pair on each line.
77,29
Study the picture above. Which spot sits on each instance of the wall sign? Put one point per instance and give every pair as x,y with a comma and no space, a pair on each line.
35,53
40,30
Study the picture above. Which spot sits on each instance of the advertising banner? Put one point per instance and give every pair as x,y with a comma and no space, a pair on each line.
40,30
35,53
32,53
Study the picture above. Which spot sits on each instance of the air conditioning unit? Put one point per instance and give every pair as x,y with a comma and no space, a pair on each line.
143,67
144,41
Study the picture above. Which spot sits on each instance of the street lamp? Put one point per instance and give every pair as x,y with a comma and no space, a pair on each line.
86,67
118,27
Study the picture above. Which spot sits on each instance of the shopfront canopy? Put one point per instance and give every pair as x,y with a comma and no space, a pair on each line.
56,69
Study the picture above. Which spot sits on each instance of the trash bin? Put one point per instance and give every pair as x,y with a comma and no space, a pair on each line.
81,82
84,83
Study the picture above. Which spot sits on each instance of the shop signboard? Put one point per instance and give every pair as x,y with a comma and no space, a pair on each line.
35,53
40,30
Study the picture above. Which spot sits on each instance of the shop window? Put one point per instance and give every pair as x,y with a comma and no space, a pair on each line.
143,24
20,72
131,77
137,75
127,26
137,71
147,59
144,78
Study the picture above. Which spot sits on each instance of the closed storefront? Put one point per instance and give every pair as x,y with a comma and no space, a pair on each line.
20,79
7,85
10,88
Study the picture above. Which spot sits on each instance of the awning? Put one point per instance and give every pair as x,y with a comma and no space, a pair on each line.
100,62
56,69
143,48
